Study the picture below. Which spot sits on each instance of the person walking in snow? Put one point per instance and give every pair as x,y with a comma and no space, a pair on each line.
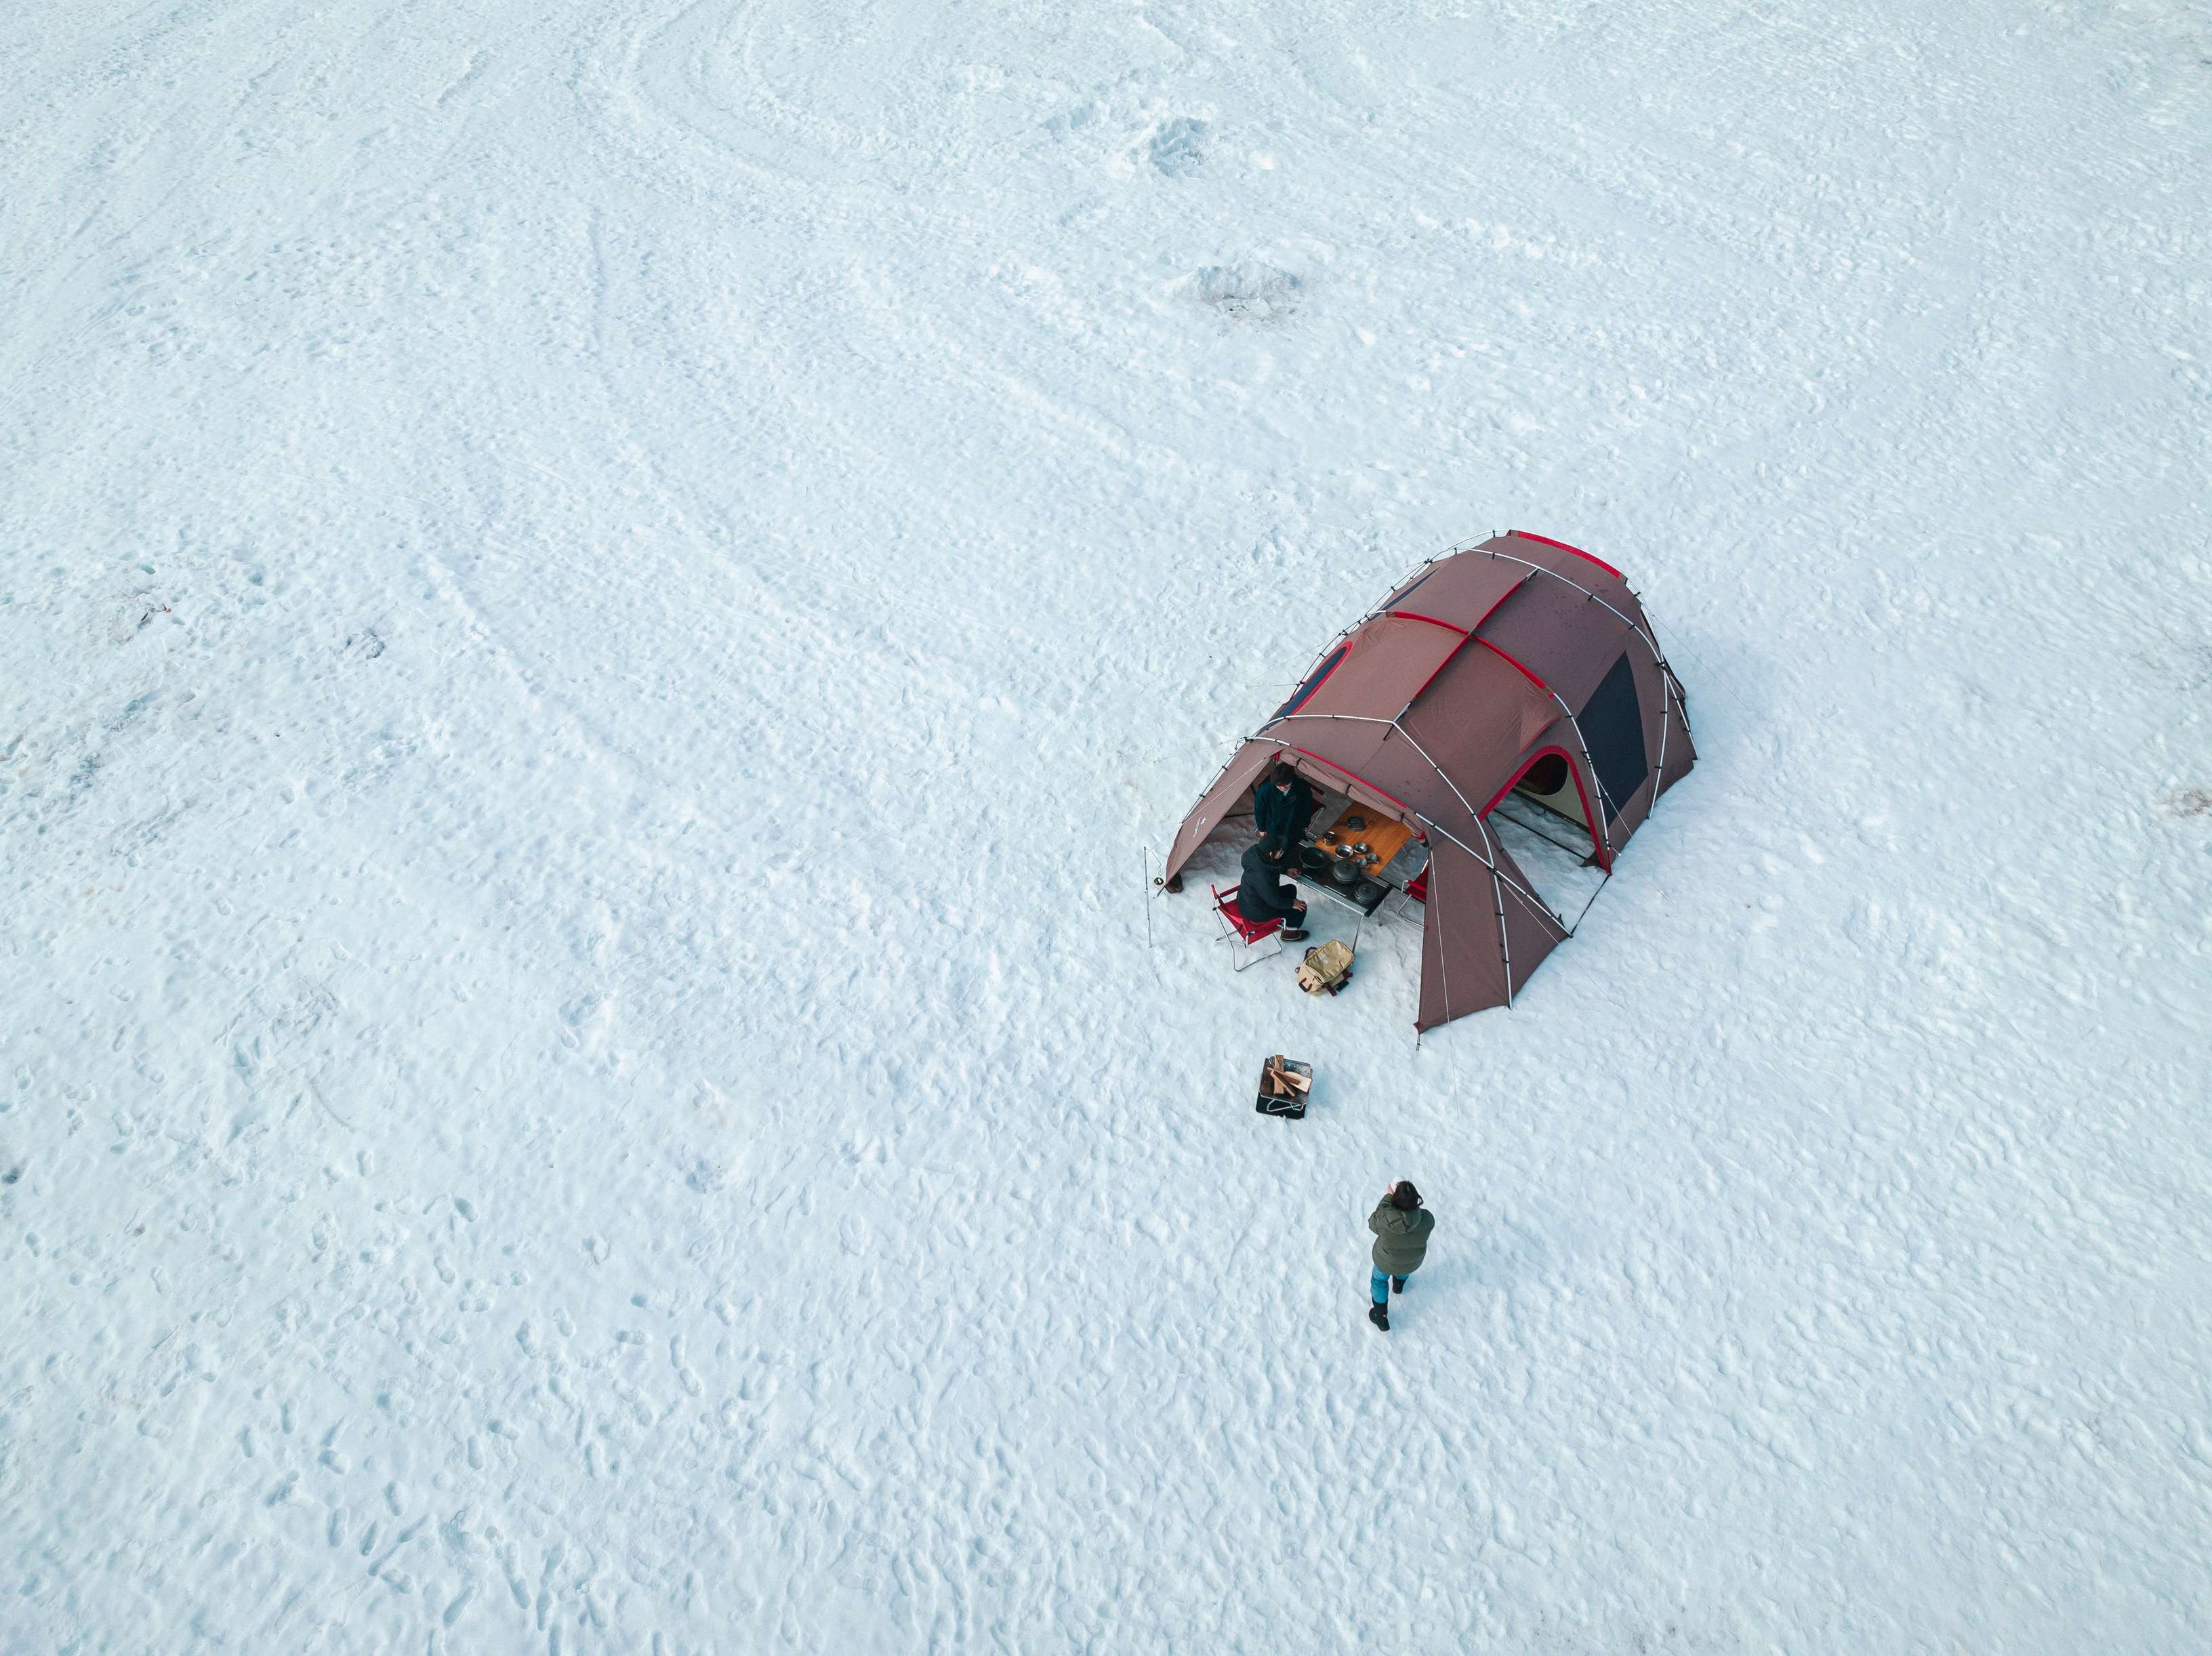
1401,1226
1282,808
1262,895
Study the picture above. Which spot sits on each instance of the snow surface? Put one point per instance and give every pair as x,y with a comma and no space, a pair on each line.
598,604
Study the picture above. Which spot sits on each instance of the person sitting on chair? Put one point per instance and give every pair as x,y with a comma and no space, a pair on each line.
1282,807
1262,896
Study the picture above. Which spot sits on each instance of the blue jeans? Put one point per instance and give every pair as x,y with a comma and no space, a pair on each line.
1380,1285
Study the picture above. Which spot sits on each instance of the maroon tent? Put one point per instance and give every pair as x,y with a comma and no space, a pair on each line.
1521,663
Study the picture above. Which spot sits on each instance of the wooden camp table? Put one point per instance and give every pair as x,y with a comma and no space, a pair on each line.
1382,836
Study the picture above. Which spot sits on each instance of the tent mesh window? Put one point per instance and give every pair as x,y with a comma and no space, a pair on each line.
1612,725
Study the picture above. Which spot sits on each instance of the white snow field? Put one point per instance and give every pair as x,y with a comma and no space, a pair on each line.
598,602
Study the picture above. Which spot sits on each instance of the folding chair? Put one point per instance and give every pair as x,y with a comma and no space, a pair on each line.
1243,935
1416,891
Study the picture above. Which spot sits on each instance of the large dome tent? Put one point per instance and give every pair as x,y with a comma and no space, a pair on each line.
1518,664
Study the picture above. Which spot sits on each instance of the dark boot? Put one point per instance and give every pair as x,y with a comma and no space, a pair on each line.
1380,1316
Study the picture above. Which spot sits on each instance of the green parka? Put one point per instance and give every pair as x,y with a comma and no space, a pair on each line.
1402,1237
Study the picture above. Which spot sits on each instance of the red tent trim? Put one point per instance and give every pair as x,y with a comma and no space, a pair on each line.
1525,673
1597,842
1527,535
1415,614
1464,636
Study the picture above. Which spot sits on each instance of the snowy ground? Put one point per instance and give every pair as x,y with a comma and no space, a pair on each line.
598,601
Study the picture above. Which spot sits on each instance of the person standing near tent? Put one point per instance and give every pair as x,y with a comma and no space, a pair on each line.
1282,808
1262,894
1401,1226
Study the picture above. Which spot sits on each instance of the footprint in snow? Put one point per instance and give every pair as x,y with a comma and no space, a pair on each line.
1177,148
1248,292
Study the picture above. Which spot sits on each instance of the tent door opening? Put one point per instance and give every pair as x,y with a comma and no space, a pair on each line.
1546,790
1539,820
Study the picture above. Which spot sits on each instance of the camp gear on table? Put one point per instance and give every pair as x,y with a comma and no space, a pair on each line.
1346,895
1368,843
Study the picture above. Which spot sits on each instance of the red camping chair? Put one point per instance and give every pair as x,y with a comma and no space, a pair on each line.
1243,935
1416,891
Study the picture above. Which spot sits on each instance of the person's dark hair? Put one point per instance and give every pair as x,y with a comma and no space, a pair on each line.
1283,775
1405,1198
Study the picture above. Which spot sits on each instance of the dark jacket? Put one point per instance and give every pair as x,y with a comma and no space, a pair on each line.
1402,1237
1282,817
1262,896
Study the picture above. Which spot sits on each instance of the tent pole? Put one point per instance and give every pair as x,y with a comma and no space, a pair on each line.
1482,828
1444,954
1650,642
1666,723
1576,926
1504,942
1144,891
